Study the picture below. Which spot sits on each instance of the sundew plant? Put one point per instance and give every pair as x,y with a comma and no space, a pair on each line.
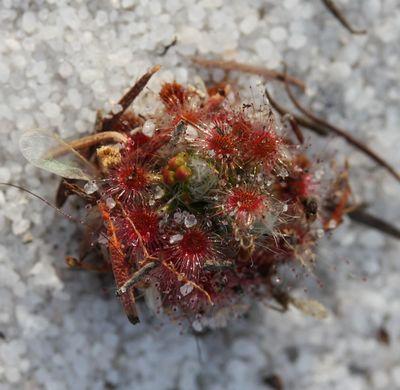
198,203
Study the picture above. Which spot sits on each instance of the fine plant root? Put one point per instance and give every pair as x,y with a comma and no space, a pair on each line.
136,277
129,97
343,134
261,71
361,216
339,15
86,142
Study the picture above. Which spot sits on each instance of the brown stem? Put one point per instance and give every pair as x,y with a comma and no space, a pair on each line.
136,277
72,262
68,187
214,266
268,74
361,216
85,142
167,47
338,14
357,215
183,278
146,254
305,122
296,129
130,96
344,134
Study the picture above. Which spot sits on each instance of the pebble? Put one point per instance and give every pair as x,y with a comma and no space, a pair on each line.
5,175
20,226
148,128
248,24
75,98
128,3
297,41
396,375
340,70
278,34
90,187
101,18
110,203
51,110
264,47
29,22
4,72
380,380
186,289
190,221
175,238
191,133
12,374
65,70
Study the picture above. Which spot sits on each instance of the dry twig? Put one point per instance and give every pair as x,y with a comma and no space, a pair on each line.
343,134
363,217
268,74
338,14
136,277
130,96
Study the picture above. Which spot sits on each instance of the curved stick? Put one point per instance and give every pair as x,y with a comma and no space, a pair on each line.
129,97
357,215
85,142
269,74
136,277
363,217
344,134
331,6
305,122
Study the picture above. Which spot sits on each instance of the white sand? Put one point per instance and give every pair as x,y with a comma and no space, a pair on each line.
60,61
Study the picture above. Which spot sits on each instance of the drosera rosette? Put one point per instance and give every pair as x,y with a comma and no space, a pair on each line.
199,203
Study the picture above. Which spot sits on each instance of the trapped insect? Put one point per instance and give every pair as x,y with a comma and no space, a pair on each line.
198,204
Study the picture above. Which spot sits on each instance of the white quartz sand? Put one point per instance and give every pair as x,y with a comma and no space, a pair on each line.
61,60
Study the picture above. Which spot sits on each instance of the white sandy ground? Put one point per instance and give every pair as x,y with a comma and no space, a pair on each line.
60,61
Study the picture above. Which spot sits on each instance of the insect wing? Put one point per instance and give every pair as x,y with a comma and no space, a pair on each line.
42,149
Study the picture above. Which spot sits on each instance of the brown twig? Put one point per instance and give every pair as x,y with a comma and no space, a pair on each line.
68,187
86,142
130,96
139,236
215,266
357,215
295,128
268,74
136,278
183,278
361,216
72,262
338,14
343,134
302,121
167,47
